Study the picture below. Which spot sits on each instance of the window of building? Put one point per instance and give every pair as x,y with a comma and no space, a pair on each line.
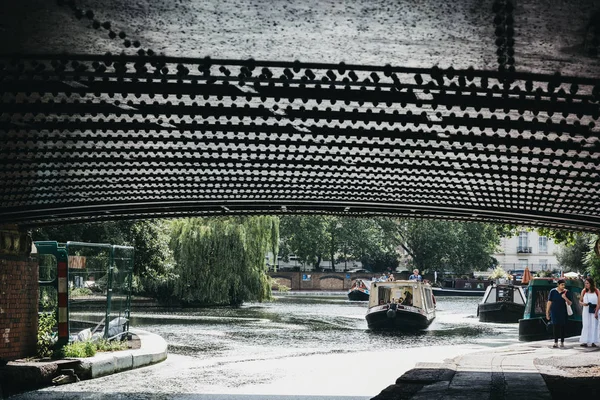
522,263
523,239
543,244
543,264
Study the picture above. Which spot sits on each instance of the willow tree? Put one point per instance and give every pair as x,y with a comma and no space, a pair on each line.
222,260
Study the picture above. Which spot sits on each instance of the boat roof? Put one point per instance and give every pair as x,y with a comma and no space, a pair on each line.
400,283
551,282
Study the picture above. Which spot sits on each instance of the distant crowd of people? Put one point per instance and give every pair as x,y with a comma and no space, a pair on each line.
389,277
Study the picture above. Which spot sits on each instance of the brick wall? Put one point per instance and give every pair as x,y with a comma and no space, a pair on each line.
18,307
328,283
334,281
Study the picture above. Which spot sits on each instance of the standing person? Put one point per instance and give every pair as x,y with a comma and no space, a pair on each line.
589,315
556,311
415,276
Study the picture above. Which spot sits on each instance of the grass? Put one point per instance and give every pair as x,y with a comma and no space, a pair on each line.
89,348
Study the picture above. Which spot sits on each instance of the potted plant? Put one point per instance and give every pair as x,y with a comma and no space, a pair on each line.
499,275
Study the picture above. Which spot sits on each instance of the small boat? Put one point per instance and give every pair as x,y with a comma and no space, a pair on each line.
502,303
461,287
534,325
360,290
400,306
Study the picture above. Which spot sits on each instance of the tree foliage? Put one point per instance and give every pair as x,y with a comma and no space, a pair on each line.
222,260
316,238
307,237
578,253
460,247
149,237
572,257
560,236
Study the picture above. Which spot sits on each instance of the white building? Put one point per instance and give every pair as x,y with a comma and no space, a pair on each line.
528,249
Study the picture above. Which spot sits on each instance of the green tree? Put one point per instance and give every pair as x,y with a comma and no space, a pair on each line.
222,260
316,238
308,237
591,261
572,256
460,247
150,238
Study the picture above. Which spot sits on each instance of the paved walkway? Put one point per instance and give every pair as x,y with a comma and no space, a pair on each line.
513,372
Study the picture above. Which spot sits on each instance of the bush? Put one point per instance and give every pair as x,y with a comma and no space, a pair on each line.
283,288
79,349
89,348
111,345
45,335
80,292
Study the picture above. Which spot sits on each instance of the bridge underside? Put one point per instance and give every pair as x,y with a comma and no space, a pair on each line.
89,138
101,137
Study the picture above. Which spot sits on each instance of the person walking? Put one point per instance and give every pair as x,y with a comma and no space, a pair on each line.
589,316
556,311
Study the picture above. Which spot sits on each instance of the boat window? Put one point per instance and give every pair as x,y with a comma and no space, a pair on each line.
467,285
504,294
540,299
385,294
429,299
408,297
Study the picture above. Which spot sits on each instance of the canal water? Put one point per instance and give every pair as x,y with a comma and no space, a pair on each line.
304,346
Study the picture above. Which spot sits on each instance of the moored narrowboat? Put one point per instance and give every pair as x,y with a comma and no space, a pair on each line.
502,303
534,325
461,287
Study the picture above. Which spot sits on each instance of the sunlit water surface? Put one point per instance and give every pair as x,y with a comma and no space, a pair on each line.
298,347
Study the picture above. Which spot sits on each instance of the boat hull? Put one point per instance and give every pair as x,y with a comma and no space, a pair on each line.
538,328
401,320
457,292
358,295
502,312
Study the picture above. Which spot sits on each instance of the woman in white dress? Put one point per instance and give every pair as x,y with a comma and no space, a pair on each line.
589,299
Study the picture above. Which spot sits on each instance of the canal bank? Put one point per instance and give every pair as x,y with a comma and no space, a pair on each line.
145,349
532,371
296,347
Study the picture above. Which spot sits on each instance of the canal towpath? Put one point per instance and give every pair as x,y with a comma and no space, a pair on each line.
533,371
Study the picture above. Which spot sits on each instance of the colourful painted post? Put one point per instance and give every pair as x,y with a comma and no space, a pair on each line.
60,284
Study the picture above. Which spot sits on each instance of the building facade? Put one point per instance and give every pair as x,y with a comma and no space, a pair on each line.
528,249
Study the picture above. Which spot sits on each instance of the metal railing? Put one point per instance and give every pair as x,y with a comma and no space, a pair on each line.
532,267
522,249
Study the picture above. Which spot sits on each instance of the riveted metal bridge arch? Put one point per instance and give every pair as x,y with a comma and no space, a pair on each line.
92,138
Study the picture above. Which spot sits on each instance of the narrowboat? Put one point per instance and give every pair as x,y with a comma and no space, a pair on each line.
502,303
534,325
360,290
461,287
400,306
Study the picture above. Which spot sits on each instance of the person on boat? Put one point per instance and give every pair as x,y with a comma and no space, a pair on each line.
589,316
408,298
556,311
415,276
